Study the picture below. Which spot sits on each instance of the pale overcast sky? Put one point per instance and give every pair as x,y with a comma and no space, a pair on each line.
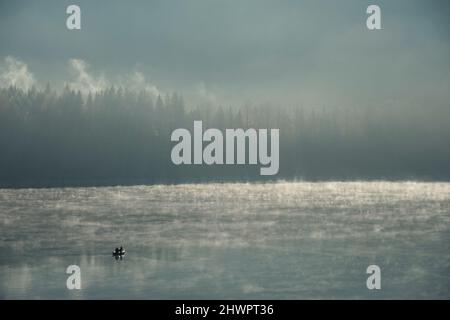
236,51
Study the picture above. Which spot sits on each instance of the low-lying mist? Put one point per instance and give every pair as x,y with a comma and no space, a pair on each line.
120,136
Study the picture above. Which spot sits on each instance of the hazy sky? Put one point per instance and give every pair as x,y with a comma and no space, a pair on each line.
236,51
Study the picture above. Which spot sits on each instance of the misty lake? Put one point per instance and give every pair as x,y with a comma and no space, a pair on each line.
222,241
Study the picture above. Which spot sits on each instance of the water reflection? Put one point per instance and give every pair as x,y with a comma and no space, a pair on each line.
262,241
118,257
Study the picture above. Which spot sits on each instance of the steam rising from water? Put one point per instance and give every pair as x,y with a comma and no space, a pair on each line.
284,240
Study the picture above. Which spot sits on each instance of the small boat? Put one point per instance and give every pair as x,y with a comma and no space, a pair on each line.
118,252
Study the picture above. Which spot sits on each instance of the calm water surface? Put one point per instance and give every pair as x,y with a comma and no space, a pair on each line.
223,241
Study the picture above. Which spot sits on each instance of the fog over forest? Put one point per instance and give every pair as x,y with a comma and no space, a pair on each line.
97,106
118,136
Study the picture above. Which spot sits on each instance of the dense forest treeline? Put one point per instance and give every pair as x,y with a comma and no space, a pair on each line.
121,137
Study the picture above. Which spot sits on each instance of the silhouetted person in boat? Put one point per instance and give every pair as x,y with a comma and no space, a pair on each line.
118,252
